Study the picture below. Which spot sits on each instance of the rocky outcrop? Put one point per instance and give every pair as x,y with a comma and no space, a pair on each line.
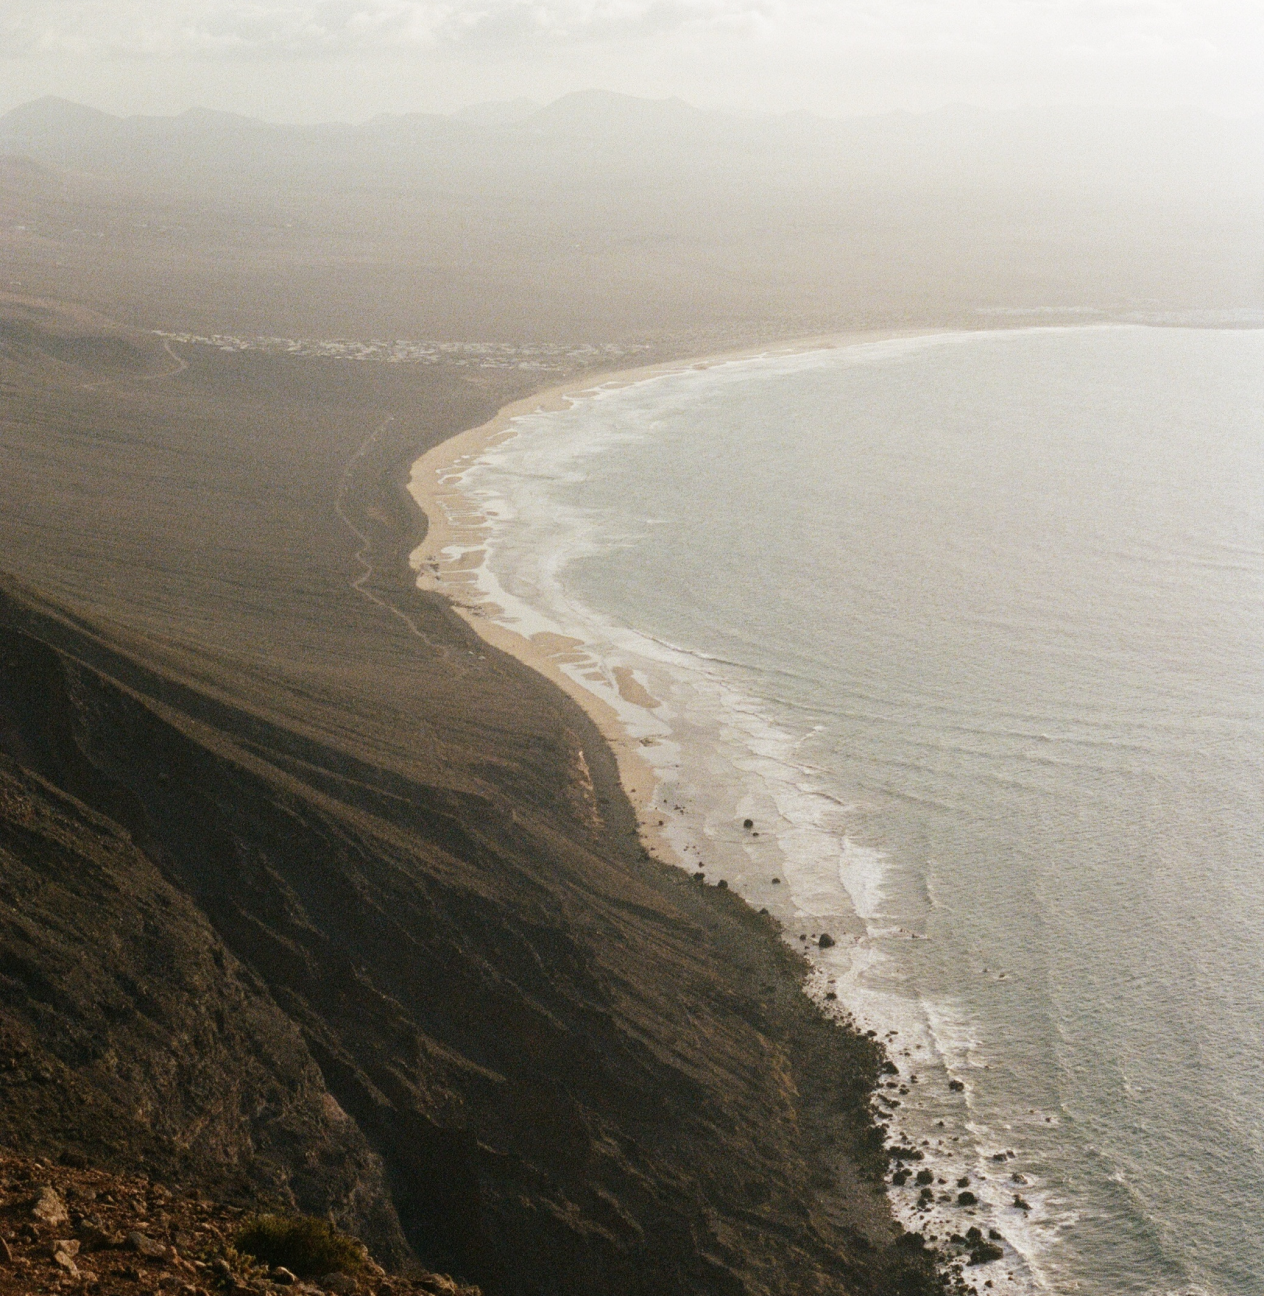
124,1235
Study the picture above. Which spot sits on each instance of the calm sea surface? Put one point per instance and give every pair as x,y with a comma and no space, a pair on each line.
972,628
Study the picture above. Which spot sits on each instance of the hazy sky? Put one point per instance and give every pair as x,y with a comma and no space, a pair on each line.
303,60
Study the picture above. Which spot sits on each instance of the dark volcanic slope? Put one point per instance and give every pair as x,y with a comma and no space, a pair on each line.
279,852
131,1034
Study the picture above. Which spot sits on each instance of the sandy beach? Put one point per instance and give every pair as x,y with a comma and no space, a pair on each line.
449,558
815,727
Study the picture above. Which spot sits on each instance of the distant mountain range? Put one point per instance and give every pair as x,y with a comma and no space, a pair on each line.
602,211
1104,147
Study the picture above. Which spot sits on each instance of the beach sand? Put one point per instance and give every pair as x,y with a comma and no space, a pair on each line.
458,527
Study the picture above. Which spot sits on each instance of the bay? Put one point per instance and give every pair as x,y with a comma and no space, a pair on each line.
971,628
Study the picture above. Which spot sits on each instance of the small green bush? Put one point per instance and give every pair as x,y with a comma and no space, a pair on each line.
305,1246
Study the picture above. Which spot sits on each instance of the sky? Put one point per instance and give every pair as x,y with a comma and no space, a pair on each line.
315,60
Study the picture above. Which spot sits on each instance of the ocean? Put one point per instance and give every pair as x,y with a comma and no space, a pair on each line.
970,627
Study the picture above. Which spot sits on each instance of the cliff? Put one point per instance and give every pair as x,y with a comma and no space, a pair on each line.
302,897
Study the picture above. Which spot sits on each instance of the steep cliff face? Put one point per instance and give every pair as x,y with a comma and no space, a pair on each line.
577,1071
129,1033
303,899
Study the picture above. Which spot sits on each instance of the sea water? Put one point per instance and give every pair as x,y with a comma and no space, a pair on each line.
971,628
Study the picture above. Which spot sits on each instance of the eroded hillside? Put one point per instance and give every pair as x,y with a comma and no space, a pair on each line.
303,899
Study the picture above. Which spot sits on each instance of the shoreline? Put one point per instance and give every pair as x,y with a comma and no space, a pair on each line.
456,522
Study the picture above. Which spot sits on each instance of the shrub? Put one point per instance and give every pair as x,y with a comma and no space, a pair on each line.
305,1246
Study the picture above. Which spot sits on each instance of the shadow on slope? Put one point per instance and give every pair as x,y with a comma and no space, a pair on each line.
579,1069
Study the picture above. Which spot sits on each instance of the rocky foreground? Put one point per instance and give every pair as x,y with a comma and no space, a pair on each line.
71,1229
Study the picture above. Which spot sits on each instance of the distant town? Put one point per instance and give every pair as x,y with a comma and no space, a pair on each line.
542,356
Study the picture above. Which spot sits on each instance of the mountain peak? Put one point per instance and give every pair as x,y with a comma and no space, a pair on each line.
604,111
498,112
52,113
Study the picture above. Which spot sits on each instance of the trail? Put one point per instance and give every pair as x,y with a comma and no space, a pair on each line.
361,583
181,366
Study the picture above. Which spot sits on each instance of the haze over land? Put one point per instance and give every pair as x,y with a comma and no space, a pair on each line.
603,217
368,909
309,60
